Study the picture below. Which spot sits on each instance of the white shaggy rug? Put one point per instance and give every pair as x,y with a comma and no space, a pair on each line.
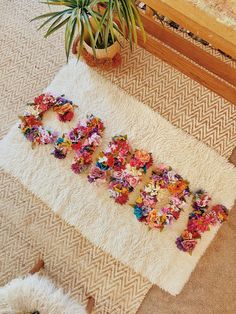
36,293
89,208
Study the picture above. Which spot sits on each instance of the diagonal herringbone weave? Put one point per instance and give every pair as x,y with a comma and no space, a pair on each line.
28,228
182,101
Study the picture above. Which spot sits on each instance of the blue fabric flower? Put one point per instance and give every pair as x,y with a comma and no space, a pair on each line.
138,212
60,140
102,166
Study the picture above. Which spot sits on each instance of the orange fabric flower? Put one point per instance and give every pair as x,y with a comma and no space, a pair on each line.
153,219
32,121
178,188
142,155
62,109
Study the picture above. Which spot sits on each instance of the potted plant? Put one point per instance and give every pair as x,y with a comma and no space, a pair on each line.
97,25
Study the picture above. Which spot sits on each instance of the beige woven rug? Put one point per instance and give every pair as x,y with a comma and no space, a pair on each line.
28,64
30,231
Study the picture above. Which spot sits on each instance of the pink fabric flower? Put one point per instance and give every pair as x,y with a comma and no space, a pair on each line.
133,181
96,174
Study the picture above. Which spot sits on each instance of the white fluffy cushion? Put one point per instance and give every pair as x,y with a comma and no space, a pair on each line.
36,293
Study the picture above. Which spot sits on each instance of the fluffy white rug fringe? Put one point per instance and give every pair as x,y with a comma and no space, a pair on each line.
36,293
114,228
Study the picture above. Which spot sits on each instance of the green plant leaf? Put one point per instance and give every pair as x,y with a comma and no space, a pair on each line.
69,32
70,4
56,14
81,40
120,17
57,27
90,31
55,23
128,22
42,16
139,21
132,20
77,16
78,20
110,21
101,25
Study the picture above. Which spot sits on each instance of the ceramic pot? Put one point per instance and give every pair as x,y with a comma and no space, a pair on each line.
108,53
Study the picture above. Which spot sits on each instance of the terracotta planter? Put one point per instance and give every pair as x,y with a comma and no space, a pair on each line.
108,53
105,58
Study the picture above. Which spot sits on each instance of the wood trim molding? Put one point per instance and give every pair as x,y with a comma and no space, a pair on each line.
199,22
189,68
217,82
193,52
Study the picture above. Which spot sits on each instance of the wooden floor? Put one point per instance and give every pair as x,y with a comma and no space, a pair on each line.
232,158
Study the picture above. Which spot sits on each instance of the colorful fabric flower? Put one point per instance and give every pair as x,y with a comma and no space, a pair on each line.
83,141
85,138
201,200
138,212
31,122
62,146
200,220
112,160
64,108
163,178
119,192
34,132
220,214
186,245
97,175
43,102
130,176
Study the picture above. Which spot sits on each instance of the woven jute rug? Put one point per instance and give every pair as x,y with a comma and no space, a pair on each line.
89,208
29,229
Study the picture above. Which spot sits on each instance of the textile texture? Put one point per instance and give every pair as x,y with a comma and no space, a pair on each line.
152,254
28,63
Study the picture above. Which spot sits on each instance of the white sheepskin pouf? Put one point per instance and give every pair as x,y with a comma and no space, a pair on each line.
36,293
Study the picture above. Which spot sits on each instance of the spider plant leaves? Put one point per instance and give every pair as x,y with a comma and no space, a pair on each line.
132,20
118,9
129,18
109,26
128,24
54,15
42,16
51,30
107,29
95,15
99,29
81,40
71,3
70,32
138,21
90,31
